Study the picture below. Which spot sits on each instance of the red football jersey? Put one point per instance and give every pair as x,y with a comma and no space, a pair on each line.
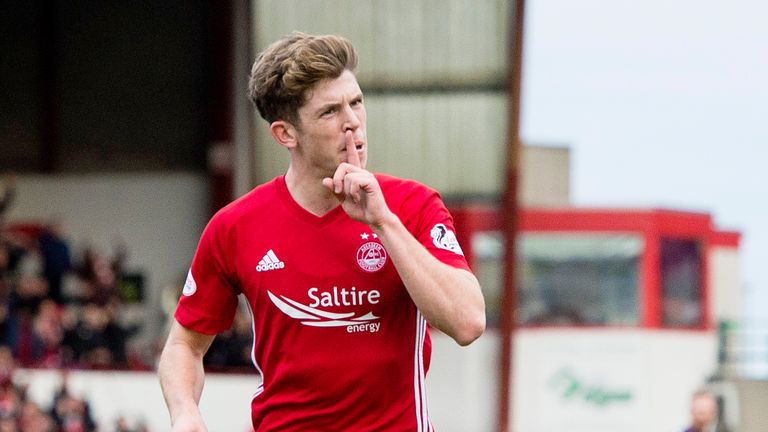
338,342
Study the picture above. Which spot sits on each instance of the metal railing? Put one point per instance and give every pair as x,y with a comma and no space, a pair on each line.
743,349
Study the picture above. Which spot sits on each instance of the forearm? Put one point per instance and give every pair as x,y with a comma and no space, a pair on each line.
450,299
181,378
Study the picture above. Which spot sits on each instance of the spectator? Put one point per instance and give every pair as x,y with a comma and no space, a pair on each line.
122,425
97,340
89,341
30,292
118,334
55,254
10,400
7,366
8,423
232,349
99,276
71,414
18,413
704,413
5,261
7,194
7,317
32,418
46,349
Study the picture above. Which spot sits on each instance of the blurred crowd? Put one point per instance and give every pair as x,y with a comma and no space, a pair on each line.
66,412
231,350
61,310
56,312
18,412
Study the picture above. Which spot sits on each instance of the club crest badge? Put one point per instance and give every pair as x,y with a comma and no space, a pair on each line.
371,257
189,285
444,238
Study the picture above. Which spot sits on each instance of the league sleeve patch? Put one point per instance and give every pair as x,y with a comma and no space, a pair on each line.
444,238
189,286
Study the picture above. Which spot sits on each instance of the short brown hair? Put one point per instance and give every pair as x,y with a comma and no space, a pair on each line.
286,70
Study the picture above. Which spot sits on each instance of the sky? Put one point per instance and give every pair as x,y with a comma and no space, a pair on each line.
664,104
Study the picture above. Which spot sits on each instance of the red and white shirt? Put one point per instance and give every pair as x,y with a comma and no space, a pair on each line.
337,340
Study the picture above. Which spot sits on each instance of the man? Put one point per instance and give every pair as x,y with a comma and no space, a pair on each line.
704,417
339,267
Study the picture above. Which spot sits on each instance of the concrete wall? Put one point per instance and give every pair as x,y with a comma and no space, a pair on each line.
752,402
136,396
545,176
726,284
608,379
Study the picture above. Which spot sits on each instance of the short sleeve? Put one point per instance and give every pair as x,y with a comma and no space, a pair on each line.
209,300
433,228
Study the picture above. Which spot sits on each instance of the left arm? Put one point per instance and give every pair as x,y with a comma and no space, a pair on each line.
449,298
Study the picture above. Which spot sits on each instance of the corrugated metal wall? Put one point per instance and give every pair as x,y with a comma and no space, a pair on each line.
433,74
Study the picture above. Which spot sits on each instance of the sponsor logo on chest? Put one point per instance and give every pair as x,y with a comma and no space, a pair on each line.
311,315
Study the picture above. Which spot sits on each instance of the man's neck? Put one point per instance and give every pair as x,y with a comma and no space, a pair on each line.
309,192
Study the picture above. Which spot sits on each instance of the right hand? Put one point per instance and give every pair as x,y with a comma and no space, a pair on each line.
357,189
189,423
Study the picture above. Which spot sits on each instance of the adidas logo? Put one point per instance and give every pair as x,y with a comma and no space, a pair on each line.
270,261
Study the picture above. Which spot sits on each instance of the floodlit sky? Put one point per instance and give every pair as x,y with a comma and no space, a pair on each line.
663,103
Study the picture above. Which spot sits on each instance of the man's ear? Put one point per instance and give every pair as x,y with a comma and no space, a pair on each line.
284,133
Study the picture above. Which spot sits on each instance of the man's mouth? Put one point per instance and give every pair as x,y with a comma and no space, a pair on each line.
358,146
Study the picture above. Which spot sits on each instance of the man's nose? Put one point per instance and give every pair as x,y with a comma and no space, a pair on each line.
351,119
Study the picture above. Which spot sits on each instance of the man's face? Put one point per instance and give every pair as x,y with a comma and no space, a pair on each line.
334,107
703,410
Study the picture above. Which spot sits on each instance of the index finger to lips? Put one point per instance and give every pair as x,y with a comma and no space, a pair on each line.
352,157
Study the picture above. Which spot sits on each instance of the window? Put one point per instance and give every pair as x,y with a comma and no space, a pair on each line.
578,279
564,278
488,250
682,304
